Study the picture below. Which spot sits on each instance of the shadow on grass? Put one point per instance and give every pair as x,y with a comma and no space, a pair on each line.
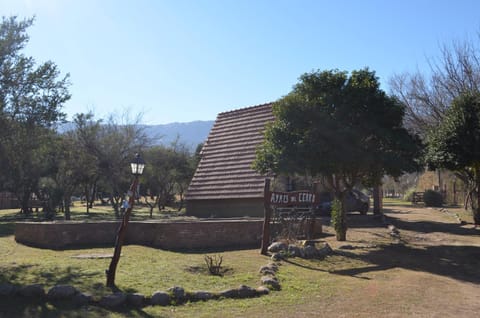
22,275
24,307
7,229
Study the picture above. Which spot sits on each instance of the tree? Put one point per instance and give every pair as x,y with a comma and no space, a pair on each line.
338,127
168,174
31,98
427,99
457,71
455,144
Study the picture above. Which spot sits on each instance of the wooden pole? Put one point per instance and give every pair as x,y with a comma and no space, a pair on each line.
266,220
122,230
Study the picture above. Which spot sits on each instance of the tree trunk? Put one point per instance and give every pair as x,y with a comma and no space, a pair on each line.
341,233
376,200
24,202
66,204
341,219
121,237
476,210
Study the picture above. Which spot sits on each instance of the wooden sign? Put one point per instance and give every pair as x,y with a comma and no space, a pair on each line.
291,198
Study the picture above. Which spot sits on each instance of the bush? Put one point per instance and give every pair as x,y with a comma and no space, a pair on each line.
408,196
432,198
339,226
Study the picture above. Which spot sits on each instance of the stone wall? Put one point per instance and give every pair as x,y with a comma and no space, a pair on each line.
166,235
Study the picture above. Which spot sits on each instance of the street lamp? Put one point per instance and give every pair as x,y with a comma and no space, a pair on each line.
137,165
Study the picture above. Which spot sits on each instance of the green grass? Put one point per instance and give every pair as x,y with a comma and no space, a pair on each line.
344,284
98,212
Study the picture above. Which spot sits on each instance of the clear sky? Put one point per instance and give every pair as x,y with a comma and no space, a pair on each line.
179,61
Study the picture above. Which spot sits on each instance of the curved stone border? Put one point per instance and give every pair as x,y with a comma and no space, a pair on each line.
173,296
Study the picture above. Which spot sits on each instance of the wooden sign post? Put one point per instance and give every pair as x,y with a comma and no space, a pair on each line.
282,199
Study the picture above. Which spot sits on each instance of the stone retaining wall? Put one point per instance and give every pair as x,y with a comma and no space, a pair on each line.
165,235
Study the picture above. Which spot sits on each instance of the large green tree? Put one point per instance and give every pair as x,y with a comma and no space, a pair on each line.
31,98
455,143
340,127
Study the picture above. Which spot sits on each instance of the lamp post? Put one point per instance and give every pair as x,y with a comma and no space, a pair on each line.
137,166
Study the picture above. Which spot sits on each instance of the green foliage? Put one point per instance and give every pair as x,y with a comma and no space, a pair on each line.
342,127
432,198
338,221
31,98
455,144
408,196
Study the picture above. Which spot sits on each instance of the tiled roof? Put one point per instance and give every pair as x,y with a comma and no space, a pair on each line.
224,171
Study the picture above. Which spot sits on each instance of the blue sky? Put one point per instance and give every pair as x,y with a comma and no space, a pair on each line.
179,61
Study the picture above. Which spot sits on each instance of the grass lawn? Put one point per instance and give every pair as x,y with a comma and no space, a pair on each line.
435,271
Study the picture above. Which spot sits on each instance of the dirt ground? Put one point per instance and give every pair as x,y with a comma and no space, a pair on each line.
425,262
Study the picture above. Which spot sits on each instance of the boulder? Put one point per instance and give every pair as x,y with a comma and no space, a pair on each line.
246,292
270,281
229,293
136,300
81,299
310,251
276,247
8,290
262,290
178,293
33,291
61,292
201,295
113,300
324,250
294,250
160,298
277,257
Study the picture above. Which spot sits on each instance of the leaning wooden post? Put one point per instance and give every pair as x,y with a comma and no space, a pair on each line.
266,220
122,230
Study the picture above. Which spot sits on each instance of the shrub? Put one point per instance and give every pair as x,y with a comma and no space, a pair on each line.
339,226
432,198
408,196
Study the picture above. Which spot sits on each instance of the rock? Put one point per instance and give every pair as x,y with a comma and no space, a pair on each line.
178,293
325,250
270,281
393,229
246,292
202,295
33,291
262,290
81,299
310,252
277,257
61,292
229,293
160,298
273,266
136,299
113,300
267,271
276,247
294,250
8,290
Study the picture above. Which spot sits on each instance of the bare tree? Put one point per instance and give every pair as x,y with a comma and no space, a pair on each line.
426,98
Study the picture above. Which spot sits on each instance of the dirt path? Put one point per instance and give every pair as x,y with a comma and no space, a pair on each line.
428,266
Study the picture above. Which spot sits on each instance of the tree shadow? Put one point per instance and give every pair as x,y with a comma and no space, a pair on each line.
33,308
457,262
432,226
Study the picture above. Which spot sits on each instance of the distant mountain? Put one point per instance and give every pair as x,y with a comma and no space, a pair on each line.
190,134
